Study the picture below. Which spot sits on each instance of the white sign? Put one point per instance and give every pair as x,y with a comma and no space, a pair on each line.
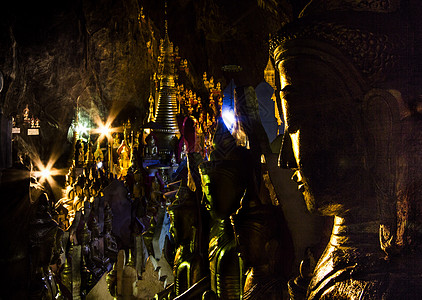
16,130
33,131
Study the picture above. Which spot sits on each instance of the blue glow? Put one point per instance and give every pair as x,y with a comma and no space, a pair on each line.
100,165
228,118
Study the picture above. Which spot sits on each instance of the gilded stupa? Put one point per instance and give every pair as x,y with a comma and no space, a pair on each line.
269,77
165,116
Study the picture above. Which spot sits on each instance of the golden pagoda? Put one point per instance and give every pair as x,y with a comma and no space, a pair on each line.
165,116
269,77
269,74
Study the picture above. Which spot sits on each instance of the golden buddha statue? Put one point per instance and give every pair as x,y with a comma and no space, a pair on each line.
79,153
156,192
26,113
95,189
188,266
78,198
265,247
86,192
43,235
151,149
223,183
98,154
124,158
263,237
114,155
354,142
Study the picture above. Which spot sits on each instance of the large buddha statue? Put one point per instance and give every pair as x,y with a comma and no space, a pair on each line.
264,240
354,141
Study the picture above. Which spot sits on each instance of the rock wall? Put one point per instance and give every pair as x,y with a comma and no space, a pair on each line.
58,56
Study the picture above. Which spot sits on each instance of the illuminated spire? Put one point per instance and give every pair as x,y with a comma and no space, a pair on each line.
165,18
167,108
269,73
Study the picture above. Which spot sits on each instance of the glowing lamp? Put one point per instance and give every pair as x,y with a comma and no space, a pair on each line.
43,174
104,130
228,118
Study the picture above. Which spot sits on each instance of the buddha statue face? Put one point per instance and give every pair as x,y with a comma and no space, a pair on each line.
223,189
342,80
181,222
322,141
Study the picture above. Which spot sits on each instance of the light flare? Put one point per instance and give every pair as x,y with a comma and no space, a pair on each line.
82,129
104,129
45,173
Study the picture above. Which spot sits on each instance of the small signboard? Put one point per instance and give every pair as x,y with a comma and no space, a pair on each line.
16,130
33,131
